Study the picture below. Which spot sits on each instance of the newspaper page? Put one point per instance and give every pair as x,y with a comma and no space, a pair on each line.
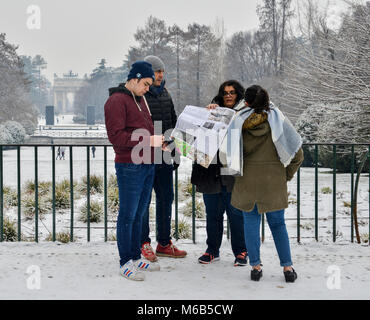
199,132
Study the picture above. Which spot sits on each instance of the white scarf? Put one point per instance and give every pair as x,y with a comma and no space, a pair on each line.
286,139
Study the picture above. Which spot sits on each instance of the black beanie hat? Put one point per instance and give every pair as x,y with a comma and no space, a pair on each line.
140,70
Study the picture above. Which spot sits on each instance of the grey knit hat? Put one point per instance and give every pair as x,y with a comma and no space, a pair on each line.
157,63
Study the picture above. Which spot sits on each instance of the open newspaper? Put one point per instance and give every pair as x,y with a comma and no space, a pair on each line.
199,132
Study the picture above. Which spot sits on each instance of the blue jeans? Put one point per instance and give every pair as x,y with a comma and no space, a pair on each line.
216,205
135,184
276,222
163,187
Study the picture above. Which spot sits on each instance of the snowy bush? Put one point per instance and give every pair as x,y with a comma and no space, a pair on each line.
365,237
96,184
63,237
331,123
44,187
187,188
10,231
29,207
62,198
199,209
29,126
5,136
326,190
184,229
64,185
10,197
16,130
113,199
112,236
112,181
307,125
96,212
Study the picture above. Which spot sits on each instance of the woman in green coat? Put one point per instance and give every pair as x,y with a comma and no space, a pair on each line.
263,186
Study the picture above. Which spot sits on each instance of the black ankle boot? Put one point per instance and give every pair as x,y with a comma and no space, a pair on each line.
290,276
256,275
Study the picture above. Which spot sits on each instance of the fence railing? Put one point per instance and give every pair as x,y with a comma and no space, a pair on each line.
18,149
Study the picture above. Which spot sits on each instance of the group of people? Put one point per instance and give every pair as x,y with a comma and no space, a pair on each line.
61,152
142,150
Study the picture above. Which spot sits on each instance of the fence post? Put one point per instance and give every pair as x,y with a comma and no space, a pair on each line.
193,210
176,204
36,197
1,196
53,188
334,192
316,194
263,227
227,228
299,205
105,196
71,189
88,192
352,186
19,193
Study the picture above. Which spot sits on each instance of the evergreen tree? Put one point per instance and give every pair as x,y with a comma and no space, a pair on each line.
14,86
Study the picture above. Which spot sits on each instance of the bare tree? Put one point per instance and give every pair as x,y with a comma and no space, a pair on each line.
200,43
333,66
176,38
286,15
269,22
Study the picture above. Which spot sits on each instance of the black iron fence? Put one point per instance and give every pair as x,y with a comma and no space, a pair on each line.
356,171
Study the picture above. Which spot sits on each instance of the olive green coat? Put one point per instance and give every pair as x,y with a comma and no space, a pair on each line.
264,180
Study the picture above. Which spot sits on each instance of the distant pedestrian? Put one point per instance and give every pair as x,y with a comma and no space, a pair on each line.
63,151
93,149
58,154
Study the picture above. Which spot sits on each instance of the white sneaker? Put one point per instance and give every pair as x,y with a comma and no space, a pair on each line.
130,271
144,265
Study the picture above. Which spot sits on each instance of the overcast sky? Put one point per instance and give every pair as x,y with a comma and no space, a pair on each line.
76,34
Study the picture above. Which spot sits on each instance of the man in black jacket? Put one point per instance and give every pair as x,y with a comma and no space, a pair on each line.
162,109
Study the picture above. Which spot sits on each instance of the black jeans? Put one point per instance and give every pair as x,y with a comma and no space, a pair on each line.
216,205
163,187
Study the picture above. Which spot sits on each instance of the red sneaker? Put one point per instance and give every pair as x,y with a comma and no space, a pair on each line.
170,251
148,253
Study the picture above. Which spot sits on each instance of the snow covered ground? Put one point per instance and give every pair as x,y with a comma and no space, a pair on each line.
65,127
89,271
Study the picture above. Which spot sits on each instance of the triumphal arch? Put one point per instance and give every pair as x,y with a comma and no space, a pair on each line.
63,88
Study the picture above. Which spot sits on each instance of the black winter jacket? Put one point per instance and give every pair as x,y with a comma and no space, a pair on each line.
209,180
162,109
